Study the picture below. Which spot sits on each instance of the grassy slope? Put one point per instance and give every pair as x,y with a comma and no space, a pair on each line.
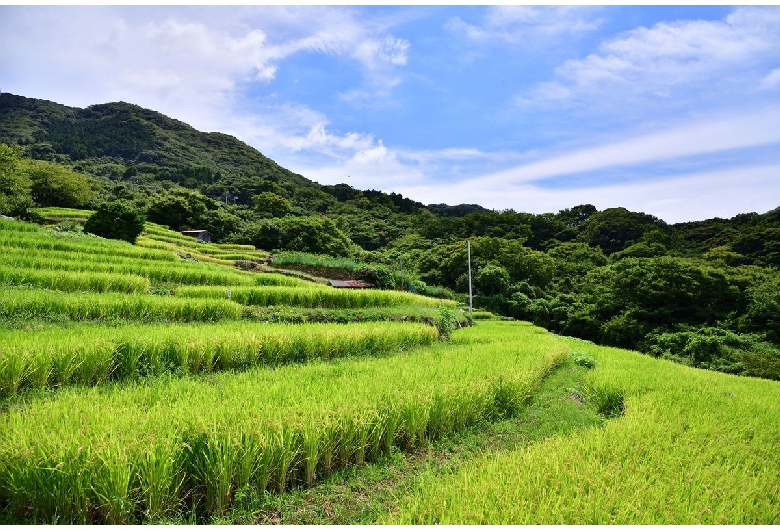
693,447
364,495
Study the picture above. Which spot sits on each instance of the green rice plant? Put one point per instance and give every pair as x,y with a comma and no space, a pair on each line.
45,240
18,226
111,486
687,447
91,355
56,213
208,252
283,419
233,256
326,297
313,260
482,315
182,271
157,479
73,281
236,246
39,304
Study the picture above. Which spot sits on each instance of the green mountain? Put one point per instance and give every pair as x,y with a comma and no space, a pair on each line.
143,141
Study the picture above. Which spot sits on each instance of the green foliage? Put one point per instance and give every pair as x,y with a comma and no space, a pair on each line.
492,279
763,312
315,235
312,235
380,276
55,185
612,228
179,209
712,348
445,264
268,204
15,185
116,220
446,322
583,359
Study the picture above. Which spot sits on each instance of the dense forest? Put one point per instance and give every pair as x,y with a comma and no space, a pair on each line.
704,293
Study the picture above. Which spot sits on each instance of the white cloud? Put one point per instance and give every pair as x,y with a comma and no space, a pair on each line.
702,137
712,56
526,25
771,80
687,197
187,63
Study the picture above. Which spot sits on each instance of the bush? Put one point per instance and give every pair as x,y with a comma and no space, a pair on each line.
581,358
380,276
116,220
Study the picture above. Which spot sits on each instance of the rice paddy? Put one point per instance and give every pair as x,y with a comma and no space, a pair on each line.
687,447
91,355
313,296
163,445
119,406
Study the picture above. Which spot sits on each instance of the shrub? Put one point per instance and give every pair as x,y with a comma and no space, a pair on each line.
581,358
380,276
116,220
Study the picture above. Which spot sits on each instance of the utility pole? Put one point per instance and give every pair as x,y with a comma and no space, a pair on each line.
401,267
469,247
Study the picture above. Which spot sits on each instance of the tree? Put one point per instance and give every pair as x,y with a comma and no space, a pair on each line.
268,204
177,209
14,183
492,279
54,185
315,235
116,220
614,227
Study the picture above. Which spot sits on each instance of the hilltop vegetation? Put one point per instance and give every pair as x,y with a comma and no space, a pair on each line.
704,293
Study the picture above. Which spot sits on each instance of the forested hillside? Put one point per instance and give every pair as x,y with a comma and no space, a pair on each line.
705,293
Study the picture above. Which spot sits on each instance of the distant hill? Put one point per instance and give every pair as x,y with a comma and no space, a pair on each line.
123,142
141,140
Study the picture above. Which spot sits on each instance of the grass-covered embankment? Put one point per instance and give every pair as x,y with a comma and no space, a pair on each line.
91,355
153,449
690,447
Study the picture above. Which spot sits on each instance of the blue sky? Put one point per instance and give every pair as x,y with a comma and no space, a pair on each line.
669,110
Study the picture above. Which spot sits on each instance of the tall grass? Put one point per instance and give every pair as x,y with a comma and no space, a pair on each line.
145,450
93,355
48,241
687,447
313,260
58,213
73,281
325,297
39,304
18,226
181,271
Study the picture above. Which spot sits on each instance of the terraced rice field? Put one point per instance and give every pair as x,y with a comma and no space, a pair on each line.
140,386
82,313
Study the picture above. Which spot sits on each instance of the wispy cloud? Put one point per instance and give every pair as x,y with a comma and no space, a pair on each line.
671,59
680,197
526,25
770,81
186,63
733,131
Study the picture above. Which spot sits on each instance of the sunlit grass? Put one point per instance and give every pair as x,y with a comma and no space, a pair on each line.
145,451
690,447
